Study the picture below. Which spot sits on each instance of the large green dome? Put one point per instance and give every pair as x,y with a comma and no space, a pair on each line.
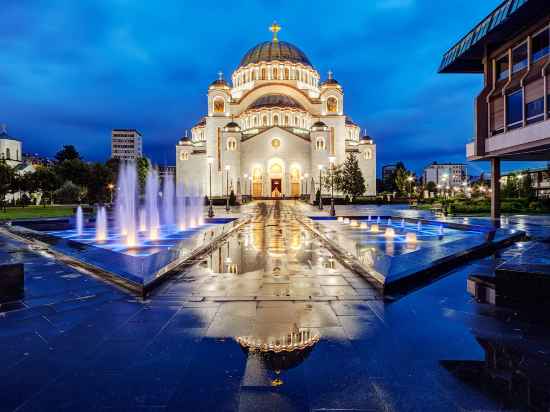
275,51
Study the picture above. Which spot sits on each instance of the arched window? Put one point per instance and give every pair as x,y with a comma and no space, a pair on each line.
184,155
275,73
264,121
286,120
276,120
320,144
254,75
332,105
219,105
255,121
264,74
287,74
231,144
367,154
8,154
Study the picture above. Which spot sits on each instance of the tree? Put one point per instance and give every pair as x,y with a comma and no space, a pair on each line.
352,181
431,187
46,181
510,187
68,193
6,181
142,165
68,152
400,176
526,187
101,176
74,170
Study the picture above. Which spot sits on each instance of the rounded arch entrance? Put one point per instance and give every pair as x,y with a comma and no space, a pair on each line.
276,173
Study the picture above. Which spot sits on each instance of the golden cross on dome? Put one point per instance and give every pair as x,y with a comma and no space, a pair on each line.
275,28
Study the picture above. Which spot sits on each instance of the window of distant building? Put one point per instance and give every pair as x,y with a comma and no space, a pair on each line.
502,67
541,45
8,154
514,109
519,58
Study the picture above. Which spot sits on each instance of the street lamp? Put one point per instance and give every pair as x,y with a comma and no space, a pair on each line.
320,187
250,186
111,187
210,161
410,180
332,159
245,181
227,168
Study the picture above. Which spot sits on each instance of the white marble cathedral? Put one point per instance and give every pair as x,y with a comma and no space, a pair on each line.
271,132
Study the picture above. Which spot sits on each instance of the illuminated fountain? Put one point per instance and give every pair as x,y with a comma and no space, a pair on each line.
79,221
168,194
389,221
374,228
340,219
378,220
419,226
347,221
390,232
441,230
101,224
142,220
364,225
127,202
402,223
411,238
151,203
180,207
354,223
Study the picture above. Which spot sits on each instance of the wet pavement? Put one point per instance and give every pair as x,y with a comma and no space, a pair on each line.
77,343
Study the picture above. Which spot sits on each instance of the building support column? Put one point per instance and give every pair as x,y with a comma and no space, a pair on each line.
495,188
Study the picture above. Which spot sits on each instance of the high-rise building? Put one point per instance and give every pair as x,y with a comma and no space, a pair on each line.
446,174
126,144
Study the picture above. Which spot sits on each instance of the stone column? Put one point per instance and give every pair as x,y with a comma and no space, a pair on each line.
495,188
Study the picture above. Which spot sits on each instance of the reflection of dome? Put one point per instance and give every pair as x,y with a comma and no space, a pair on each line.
275,51
275,100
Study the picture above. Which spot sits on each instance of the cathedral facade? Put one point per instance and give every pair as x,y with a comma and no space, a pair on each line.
273,130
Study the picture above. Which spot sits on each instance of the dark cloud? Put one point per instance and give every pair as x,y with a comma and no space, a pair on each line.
72,70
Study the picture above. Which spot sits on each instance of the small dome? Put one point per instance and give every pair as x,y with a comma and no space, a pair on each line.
275,100
274,51
330,81
201,123
219,83
319,126
350,122
232,127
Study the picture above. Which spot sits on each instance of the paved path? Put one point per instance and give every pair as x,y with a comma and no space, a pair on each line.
77,343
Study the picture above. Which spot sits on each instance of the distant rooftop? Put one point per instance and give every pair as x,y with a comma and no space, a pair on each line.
507,20
127,130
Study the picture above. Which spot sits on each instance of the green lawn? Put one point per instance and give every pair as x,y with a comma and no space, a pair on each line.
30,212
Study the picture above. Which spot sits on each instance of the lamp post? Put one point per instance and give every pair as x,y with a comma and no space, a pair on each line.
245,182
227,208
250,186
410,180
111,187
306,176
320,187
210,160
332,159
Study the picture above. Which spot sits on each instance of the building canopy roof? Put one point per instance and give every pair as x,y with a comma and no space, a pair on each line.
507,20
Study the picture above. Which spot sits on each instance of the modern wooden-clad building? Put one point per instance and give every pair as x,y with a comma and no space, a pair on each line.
511,48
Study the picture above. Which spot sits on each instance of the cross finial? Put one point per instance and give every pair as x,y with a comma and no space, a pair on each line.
330,74
275,28
220,75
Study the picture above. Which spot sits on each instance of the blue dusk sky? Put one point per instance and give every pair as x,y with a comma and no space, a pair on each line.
73,70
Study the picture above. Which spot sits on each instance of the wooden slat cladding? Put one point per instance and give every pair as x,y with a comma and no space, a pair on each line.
534,90
497,113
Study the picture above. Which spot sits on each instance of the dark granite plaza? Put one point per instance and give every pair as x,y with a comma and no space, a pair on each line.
75,342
